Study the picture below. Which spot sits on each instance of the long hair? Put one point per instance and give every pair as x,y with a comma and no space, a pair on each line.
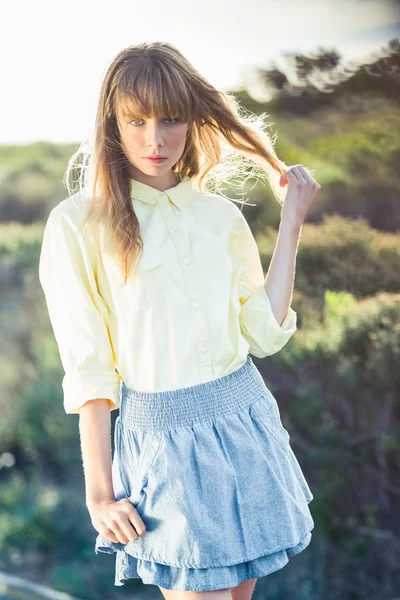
225,142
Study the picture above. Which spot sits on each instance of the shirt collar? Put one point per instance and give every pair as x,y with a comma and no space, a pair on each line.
180,194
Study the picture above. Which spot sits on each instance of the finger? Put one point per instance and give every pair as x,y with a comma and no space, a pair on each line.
109,535
128,528
283,180
291,176
286,177
133,522
306,174
120,533
136,521
311,182
129,521
298,173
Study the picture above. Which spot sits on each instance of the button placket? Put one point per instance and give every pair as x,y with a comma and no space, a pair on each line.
183,249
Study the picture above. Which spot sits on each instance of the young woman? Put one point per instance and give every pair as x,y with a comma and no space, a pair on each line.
157,298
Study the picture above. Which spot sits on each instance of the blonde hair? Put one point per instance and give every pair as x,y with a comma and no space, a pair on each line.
225,143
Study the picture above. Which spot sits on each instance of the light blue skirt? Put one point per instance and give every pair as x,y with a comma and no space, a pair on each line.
210,470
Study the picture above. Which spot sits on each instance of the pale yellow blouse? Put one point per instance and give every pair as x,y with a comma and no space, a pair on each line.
194,309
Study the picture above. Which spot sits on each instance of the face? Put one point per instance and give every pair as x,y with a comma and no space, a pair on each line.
144,138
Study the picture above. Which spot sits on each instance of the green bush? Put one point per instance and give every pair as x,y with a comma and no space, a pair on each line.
339,254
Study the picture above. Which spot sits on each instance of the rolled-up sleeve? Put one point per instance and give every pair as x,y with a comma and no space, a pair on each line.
77,313
257,320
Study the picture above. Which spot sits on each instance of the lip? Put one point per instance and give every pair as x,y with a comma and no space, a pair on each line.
156,159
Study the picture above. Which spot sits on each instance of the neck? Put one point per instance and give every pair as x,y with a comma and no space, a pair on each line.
161,182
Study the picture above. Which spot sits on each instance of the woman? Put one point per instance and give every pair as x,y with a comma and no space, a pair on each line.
156,295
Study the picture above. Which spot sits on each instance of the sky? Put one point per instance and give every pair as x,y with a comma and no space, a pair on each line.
54,54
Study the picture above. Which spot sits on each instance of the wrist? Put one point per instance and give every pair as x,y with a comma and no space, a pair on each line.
96,500
291,223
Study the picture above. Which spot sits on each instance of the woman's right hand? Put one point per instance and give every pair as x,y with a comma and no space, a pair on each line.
117,520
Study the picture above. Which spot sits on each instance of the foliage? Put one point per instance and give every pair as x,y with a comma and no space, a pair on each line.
336,382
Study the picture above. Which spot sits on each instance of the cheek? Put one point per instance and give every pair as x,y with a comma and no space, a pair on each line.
132,140
179,137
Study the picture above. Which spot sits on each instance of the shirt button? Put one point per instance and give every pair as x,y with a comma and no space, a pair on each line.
186,260
164,196
196,304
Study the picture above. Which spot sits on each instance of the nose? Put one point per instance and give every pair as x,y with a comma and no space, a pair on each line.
154,135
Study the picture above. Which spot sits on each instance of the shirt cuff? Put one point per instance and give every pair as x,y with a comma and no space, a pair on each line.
81,386
260,327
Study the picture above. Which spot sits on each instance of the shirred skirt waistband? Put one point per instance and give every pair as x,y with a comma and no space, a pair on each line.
152,411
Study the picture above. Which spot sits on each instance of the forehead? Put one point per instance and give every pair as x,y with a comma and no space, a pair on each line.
130,108
153,94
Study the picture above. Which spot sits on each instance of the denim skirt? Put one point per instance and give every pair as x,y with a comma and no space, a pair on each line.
211,472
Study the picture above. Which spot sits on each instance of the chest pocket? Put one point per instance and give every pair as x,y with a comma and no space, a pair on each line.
148,283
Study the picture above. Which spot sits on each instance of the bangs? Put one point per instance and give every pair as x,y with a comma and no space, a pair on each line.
154,90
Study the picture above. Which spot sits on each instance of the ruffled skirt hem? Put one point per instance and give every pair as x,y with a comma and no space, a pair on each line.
196,579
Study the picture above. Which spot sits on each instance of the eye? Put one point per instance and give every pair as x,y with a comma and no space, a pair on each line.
174,119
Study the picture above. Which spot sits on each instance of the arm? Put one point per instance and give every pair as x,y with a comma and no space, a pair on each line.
280,277
95,434
260,316
78,313
302,192
78,317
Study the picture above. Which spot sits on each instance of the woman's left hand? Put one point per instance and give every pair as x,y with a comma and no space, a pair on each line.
302,192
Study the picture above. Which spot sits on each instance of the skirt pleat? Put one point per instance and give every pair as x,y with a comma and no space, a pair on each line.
211,472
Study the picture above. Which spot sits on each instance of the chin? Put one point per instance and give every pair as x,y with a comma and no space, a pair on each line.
156,169
159,168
